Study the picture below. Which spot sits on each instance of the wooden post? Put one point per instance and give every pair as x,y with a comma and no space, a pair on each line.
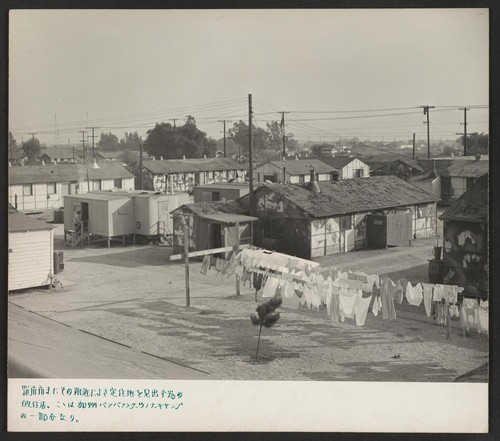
109,242
236,251
448,322
186,260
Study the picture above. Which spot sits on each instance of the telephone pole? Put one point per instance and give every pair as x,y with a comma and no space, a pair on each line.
223,121
426,112
174,120
93,136
465,128
282,124
250,154
414,146
83,143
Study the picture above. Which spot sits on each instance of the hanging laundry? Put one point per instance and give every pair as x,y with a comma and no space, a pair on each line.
387,298
361,309
347,302
334,313
414,294
315,299
469,316
404,284
372,279
483,320
398,293
270,287
442,313
428,296
205,264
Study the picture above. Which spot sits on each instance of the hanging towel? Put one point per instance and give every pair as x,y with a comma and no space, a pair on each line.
270,287
205,264
483,321
387,299
361,309
334,308
428,295
347,302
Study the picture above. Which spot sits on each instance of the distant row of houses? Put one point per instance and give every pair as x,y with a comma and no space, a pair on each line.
43,187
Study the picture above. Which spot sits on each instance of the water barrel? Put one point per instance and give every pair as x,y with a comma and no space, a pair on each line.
435,271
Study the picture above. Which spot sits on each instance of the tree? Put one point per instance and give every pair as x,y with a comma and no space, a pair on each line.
32,149
131,141
239,134
477,143
174,143
12,141
266,316
108,142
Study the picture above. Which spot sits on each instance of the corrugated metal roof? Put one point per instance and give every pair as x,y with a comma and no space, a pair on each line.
472,206
34,174
353,195
302,166
19,222
167,166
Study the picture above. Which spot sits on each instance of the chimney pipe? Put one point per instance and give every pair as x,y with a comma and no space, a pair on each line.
313,185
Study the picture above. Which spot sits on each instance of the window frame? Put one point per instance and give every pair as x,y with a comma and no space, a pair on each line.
30,187
51,185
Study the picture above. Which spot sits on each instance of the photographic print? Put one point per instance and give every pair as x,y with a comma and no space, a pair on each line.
287,205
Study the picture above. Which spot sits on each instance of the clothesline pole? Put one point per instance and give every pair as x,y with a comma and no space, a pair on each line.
236,252
186,261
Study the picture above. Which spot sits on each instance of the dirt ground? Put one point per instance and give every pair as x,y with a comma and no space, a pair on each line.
135,296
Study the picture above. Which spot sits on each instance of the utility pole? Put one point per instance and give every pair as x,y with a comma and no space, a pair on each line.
83,143
174,120
465,128
426,112
414,146
282,124
250,154
93,136
223,121
140,166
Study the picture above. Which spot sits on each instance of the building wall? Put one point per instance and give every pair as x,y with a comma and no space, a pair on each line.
42,200
465,255
31,259
206,194
270,169
349,171
430,186
184,182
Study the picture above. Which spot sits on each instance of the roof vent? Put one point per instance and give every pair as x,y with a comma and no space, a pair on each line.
43,162
161,158
183,156
153,158
94,164
433,174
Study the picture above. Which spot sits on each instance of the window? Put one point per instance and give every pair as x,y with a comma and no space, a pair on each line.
345,222
28,189
51,188
96,184
301,179
117,183
359,173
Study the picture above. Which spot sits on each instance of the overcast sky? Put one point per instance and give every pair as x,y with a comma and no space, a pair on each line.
124,70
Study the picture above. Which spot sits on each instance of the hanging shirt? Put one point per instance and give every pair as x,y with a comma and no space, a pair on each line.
414,294
377,305
428,296
361,309
398,293
469,316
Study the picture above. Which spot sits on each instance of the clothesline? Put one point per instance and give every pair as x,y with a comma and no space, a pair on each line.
344,293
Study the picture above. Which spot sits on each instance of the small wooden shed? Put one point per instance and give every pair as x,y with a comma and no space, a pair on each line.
211,225
31,247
